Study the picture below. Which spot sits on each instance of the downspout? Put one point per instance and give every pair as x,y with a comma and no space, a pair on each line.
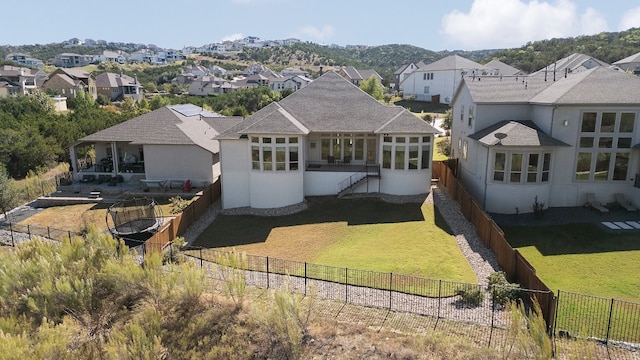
553,114
486,180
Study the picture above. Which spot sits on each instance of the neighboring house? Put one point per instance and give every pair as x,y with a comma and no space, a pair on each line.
328,138
358,76
144,55
170,143
111,56
118,86
69,60
436,82
8,87
259,69
25,60
292,71
402,73
630,64
504,69
18,80
571,64
70,82
210,85
294,83
527,137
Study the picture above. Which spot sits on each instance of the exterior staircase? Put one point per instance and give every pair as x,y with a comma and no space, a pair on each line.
357,179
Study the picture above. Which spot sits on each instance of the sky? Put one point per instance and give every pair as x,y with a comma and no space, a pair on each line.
432,25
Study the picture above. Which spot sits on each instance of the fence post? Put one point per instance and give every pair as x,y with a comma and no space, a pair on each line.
346,287
48,233
201,258
439,296
69,231
267,272
29,231
13,243
493,312
610,318
305,278
390,284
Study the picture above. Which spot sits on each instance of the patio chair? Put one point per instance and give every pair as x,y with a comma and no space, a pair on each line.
346,160
591,200
331,160
622,201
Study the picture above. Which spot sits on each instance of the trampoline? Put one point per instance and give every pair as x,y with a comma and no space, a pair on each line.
133,217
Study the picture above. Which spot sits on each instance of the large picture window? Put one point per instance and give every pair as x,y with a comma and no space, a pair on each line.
406,152
604,145
353,146
519,167
274,153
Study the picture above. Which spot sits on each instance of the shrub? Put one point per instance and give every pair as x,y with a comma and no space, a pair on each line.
538,208
471,295
502,290
444,146
178,204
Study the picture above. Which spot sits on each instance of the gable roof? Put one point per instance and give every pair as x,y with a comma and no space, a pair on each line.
516,133
598,86
363,74
330,104
504,69
575,62
629,59
451,62
74,73
170,125
112,80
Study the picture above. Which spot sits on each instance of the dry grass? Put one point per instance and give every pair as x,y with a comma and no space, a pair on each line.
70,217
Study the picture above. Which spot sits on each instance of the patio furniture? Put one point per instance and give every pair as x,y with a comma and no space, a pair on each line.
591,200
622,201
331,160
346,160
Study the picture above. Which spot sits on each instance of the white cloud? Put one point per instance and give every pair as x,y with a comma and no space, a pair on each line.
630,19
232,37
510,23
314,33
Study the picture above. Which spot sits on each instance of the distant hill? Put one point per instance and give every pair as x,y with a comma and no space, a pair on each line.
386,59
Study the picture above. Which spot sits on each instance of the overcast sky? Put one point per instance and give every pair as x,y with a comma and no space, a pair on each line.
433,25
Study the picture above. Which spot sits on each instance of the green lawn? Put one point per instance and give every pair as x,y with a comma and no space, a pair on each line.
366,234
582,258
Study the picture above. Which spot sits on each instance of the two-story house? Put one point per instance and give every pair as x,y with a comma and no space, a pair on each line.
70,82
118,86
554,137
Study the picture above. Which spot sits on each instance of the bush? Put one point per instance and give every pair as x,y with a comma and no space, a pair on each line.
502,290
471,295
178,204
444,147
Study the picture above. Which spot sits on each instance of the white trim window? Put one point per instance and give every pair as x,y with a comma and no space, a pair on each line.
406,152
604,145
522,167
274,153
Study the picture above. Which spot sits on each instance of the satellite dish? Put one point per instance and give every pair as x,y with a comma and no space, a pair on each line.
500,136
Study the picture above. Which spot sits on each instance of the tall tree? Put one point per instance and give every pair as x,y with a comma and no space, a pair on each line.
372,87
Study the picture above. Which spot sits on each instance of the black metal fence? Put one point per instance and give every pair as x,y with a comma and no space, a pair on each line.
15,233
577,315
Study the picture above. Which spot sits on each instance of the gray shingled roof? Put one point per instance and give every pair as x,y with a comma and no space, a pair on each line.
452,62
629,59
504,69
167,126
330,104
598,86
575,62
518,133
113,80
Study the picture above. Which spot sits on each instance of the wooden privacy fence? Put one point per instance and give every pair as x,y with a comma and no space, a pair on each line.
512,263
179,225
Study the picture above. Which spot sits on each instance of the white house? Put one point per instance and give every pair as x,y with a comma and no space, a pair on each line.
174,142
436,82
630,63
518,138
328,138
